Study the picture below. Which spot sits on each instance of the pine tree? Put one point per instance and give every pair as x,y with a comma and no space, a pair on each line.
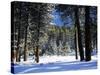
76,43
81,52
40,18
87,34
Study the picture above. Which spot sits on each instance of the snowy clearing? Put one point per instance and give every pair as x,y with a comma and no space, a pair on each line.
54,64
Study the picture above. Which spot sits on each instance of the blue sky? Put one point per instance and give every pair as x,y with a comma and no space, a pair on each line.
57,20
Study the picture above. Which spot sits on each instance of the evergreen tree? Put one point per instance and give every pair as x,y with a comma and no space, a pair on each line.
79,34
87,34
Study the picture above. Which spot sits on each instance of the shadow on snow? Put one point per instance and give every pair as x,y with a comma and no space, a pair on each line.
55,67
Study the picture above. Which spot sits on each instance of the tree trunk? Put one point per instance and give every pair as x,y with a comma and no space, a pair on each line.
76,43
37,54
37,39
87,34
18,42
81,52
12,32
25,47
37,47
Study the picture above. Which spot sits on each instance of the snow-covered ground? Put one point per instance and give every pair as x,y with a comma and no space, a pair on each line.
54,64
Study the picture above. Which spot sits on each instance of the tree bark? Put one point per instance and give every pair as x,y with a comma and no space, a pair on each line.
37,54
37,46
25,47
12,32
26,32
18,42
87,34
37,39
81,52
76,43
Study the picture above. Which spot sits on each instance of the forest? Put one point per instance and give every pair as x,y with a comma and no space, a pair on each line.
35,33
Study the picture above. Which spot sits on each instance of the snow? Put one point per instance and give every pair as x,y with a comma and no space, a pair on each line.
54,64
